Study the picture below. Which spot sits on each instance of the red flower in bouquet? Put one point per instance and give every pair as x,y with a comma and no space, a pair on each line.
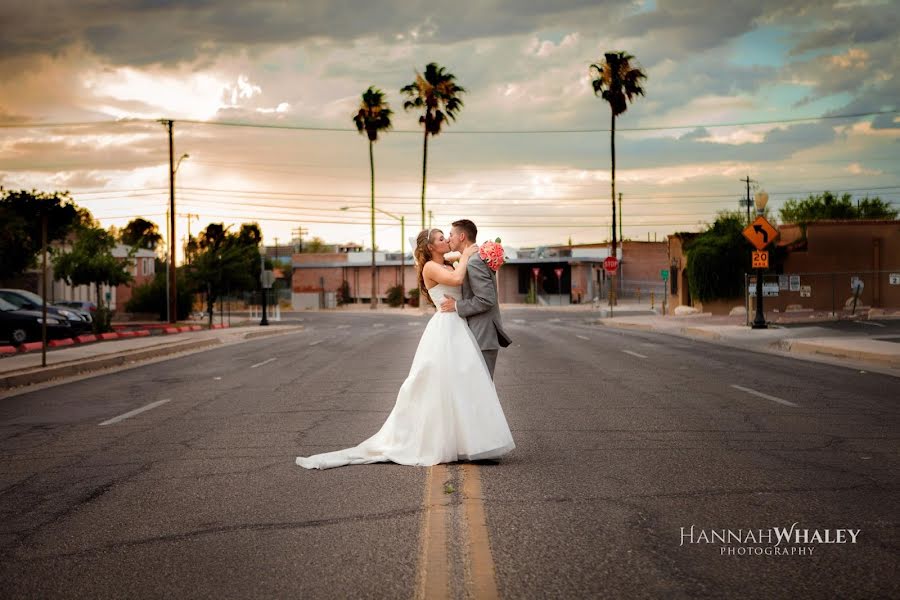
492,254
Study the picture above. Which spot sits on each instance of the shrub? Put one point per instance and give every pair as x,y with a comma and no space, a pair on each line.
395,296
414,297
343,294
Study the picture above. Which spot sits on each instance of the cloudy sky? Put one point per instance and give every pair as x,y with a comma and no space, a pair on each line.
262,94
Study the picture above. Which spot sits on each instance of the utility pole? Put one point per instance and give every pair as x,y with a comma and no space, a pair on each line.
44,285
298,233
276,249
621,237
430,218
747,201
189,217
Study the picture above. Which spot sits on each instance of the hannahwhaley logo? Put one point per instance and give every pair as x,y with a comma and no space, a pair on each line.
775,541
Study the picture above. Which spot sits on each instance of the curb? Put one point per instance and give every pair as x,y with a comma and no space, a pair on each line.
700,332
801,347
41,375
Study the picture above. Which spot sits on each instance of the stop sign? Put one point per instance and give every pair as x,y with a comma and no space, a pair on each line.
610,264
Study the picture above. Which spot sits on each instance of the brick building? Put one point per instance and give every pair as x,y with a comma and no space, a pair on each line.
817,269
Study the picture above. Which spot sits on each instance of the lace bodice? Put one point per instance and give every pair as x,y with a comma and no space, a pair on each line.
441,290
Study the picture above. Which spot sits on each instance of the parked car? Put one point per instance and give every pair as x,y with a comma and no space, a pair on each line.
18,326
23,299
85,308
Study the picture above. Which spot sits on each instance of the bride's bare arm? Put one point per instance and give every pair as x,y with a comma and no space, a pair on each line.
439,274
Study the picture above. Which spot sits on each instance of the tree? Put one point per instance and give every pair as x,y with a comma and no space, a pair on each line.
90,262
21,216
618,83
438,94
140,233
828,206
373,117
315,246
718,259
152,297
225,261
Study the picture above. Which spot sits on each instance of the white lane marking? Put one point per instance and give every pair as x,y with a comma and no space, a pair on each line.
872,323
518,320
582,337
217,378
265,362
554,320
343,326
136,411
414,323
634,353
761,395
378,325
316,342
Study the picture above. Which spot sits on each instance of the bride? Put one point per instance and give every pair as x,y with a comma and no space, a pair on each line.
447,409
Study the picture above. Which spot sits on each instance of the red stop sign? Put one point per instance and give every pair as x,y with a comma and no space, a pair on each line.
610,264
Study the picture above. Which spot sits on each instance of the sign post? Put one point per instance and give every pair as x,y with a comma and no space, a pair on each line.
760,233
664,273
535,271
611,265
266,279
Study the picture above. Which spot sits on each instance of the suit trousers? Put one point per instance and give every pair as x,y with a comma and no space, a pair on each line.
490,357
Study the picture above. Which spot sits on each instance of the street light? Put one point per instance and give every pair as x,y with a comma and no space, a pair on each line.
759,321
402,220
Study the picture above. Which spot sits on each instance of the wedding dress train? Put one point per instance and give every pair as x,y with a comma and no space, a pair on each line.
446,410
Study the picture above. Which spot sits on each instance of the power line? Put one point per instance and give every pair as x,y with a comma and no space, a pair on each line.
32,125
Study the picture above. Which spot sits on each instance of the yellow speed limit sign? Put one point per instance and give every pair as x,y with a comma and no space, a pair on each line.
760,259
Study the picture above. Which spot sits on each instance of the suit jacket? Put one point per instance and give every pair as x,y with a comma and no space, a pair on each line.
479,305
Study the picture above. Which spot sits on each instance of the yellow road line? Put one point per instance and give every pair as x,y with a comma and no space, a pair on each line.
433,577
482,580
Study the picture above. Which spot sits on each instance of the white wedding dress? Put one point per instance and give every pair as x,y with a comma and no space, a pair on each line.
446,410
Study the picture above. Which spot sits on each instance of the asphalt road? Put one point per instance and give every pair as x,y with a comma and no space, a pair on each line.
625,441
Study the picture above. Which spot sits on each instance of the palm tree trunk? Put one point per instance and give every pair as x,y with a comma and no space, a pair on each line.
374,300
612,144
424,168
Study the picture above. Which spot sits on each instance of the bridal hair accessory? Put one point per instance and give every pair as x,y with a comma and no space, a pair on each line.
492,253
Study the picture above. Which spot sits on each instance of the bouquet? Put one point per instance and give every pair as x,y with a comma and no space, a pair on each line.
492,254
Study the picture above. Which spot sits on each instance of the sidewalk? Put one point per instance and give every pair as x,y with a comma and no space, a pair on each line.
25,368
811,342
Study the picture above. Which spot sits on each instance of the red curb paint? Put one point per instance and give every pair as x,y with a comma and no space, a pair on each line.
30,346
170,330
84,339
108,336
126,334
196,328
8,350
142,333
61,342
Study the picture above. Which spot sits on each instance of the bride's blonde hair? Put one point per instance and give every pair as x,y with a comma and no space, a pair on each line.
423,255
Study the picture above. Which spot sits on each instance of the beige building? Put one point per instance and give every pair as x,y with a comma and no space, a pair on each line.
563,274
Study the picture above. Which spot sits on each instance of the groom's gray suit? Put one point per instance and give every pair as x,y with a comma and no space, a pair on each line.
480,308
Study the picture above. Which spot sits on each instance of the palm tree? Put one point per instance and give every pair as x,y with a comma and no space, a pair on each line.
617,82
437,92
374,115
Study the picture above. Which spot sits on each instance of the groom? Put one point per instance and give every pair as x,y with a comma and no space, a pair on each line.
479,297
